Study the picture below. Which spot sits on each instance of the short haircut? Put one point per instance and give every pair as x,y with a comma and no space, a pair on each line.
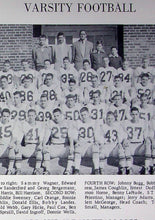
43,96
113,47
117,77
60,34
72,80
96,92
49,74
134,109
5,110
17,93
57,110
117,95
66,58
99,42
31,110
143,95
144,75
84,109
4,77
26,78
47,60
82,31
70,96
110,113
86,61
43,36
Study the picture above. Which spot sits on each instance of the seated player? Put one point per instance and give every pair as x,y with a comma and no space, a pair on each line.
71,109
106,73
85,141
28,92
27,71
31,137
85,74
143,87
121,111
51,90
126,74
140,145
113,143
93,87
97,108
118,89
6,90
58,142
8,138
43,109
97,56
8,71
67,72
48,68
74,90
144,68
115,59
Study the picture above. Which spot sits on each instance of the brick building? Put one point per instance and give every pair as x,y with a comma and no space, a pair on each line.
133,41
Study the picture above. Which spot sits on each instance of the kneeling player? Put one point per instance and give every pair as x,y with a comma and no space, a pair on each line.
31,145
113,144
140,144
58,142
85,142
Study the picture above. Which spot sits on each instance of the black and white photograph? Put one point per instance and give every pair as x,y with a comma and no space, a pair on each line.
77,99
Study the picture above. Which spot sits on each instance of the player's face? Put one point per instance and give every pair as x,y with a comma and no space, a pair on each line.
125,65
94,81
5,117
84,116
99,47
83,35
47,65
25,65
42,41
72,86
6,67
96,98
86,66
145,63
110,119
61,39
17,99
49,80
66,64
31,117
114,51
57,117
117,82
27,83
4,83
144,100
70,102
144,81
43,102
106,62
135,116
117,101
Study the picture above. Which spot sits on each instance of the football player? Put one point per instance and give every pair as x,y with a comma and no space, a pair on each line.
6,90
58,142
8,71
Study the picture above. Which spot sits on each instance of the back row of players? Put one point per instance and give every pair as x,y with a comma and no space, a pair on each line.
103,113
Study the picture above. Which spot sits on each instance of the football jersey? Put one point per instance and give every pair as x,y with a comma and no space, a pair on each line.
147,113
121,91
44,114
32,134
106,75
18,113
66,74
28,95
33,74
97,112
86,76
136,131
89,90
57,133
53,92
147,90
7,131
10,75
71,114
126,76
121,113
44,72
149,70
77,93
111,134
6,94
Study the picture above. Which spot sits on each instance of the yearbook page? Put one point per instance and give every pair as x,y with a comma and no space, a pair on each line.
77,97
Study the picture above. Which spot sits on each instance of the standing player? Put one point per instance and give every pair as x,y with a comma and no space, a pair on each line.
113,143
140,145
85,141
51,90
85,74
8,71
106,73
31,137
58,142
